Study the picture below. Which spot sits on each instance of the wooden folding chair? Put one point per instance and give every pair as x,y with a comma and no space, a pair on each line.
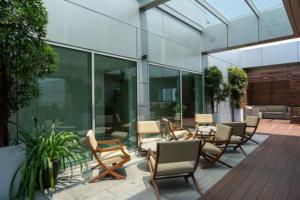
204,125
178,134
148,132
109,158
213,149
238,134
174,159
251,127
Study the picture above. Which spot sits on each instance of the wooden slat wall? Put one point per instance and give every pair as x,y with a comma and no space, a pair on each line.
274,85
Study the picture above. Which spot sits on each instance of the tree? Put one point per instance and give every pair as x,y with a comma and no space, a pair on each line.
25,57
215,88
237,82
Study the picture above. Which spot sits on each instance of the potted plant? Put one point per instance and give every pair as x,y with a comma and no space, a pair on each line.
46,151
177,111
216,90
237,82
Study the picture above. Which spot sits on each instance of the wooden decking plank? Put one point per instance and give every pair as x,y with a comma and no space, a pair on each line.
255,174
270,187
272,171
267,173
229,178
238,178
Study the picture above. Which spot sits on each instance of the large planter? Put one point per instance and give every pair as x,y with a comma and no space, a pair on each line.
217,117
45,175
10,159
238,115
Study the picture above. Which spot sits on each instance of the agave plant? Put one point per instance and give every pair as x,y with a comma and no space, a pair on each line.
44,149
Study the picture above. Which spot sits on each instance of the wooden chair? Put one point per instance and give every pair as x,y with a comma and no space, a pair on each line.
251,127
204,122
174,159
148,132
238,135
109,158
213,149
177,134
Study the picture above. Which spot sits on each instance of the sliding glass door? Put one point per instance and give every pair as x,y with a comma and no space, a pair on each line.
192,97
115,99
164,91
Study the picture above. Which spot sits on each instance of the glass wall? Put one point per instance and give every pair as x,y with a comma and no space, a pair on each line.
66,95
164,84
115,99
192,97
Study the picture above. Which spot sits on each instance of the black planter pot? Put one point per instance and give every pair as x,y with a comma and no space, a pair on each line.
45,175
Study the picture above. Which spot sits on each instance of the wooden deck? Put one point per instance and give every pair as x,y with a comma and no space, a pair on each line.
272,171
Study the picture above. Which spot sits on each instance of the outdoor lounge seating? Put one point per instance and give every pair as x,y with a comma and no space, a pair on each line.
178,134
148,132
204,125
109,158
238,134
174,159
213,149
251,127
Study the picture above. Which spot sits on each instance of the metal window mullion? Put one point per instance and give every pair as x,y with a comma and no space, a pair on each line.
181,113
93,94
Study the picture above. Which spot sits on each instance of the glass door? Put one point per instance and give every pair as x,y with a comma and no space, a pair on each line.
115,99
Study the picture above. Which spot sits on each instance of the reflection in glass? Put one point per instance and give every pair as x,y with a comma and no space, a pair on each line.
66,95
115,99
192,97
164,93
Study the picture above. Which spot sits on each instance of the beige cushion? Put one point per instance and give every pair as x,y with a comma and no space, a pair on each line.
235,139
181,133
165,169
252,120
204,118
211,149
148,127
275,108
92,140
223,132
113,156
150,139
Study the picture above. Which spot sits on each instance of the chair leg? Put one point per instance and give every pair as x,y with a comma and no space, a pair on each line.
196,184
224,163
100,176
156,191
241,148
254,141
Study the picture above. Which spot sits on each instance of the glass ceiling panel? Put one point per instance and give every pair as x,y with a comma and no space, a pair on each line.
194,11
231,9
265,5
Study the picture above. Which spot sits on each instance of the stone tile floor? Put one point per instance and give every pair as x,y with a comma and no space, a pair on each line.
137,186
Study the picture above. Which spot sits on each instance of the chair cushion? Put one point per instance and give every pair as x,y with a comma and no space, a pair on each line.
181,133
248,133
235,139
111,157
151,139
172,168
275,108
211,149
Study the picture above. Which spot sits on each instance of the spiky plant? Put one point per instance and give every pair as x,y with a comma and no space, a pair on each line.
44,147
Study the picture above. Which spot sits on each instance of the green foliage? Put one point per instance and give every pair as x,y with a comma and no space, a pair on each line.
237,81
43,147
216,89
25,57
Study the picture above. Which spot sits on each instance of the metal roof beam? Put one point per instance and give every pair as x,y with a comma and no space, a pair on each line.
213,11
181,17
148,4
253,8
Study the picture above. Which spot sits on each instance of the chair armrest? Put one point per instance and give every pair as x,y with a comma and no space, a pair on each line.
114,141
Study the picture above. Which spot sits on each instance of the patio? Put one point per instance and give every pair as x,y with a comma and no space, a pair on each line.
137,186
